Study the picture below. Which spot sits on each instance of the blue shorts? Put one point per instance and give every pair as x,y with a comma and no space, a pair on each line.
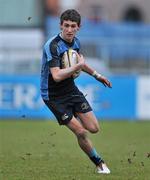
64,108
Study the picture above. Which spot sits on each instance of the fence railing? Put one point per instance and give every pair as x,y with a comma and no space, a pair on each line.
20,51
120,55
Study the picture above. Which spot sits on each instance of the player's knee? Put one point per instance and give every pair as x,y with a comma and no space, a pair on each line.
82,133
94,129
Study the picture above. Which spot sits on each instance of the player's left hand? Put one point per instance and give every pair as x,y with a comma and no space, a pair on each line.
104,81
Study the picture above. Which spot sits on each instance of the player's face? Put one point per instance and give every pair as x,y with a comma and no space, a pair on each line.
69,29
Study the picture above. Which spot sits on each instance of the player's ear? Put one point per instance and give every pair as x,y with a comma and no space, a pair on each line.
78,27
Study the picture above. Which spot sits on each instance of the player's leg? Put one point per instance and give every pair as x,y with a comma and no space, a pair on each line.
81,133
65,117
83,110
86,145
89,121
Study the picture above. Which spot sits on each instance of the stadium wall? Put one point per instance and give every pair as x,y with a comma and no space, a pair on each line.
128,99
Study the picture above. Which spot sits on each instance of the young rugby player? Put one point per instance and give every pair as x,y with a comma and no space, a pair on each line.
59,91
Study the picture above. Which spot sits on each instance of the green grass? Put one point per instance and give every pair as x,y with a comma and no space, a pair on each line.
42,150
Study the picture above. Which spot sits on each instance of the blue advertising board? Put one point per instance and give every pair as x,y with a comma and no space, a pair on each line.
115,103
20,97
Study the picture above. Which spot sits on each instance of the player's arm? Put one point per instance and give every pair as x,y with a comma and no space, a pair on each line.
99,77
95,74
53,59
61,74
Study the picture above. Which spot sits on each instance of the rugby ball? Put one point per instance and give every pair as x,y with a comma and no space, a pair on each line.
70,59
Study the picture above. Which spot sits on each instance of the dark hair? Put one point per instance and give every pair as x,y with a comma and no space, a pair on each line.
72,15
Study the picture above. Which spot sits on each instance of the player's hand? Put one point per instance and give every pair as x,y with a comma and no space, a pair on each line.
81,60
104,81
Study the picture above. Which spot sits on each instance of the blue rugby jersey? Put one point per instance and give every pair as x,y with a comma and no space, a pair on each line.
53,51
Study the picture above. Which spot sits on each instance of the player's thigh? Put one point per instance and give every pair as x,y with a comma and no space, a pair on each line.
76,127
89,121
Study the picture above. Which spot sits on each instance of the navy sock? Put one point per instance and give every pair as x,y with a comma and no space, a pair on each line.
95,157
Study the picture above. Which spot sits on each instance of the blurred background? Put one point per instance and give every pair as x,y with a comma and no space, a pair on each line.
115,39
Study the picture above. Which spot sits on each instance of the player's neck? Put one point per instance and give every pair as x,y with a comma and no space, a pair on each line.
69,41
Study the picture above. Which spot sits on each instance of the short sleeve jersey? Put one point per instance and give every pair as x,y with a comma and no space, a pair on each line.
53,51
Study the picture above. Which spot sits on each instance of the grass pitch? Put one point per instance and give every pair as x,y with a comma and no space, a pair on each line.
42,150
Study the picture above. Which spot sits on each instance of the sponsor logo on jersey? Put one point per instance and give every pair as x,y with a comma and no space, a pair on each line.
84,106
64,117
